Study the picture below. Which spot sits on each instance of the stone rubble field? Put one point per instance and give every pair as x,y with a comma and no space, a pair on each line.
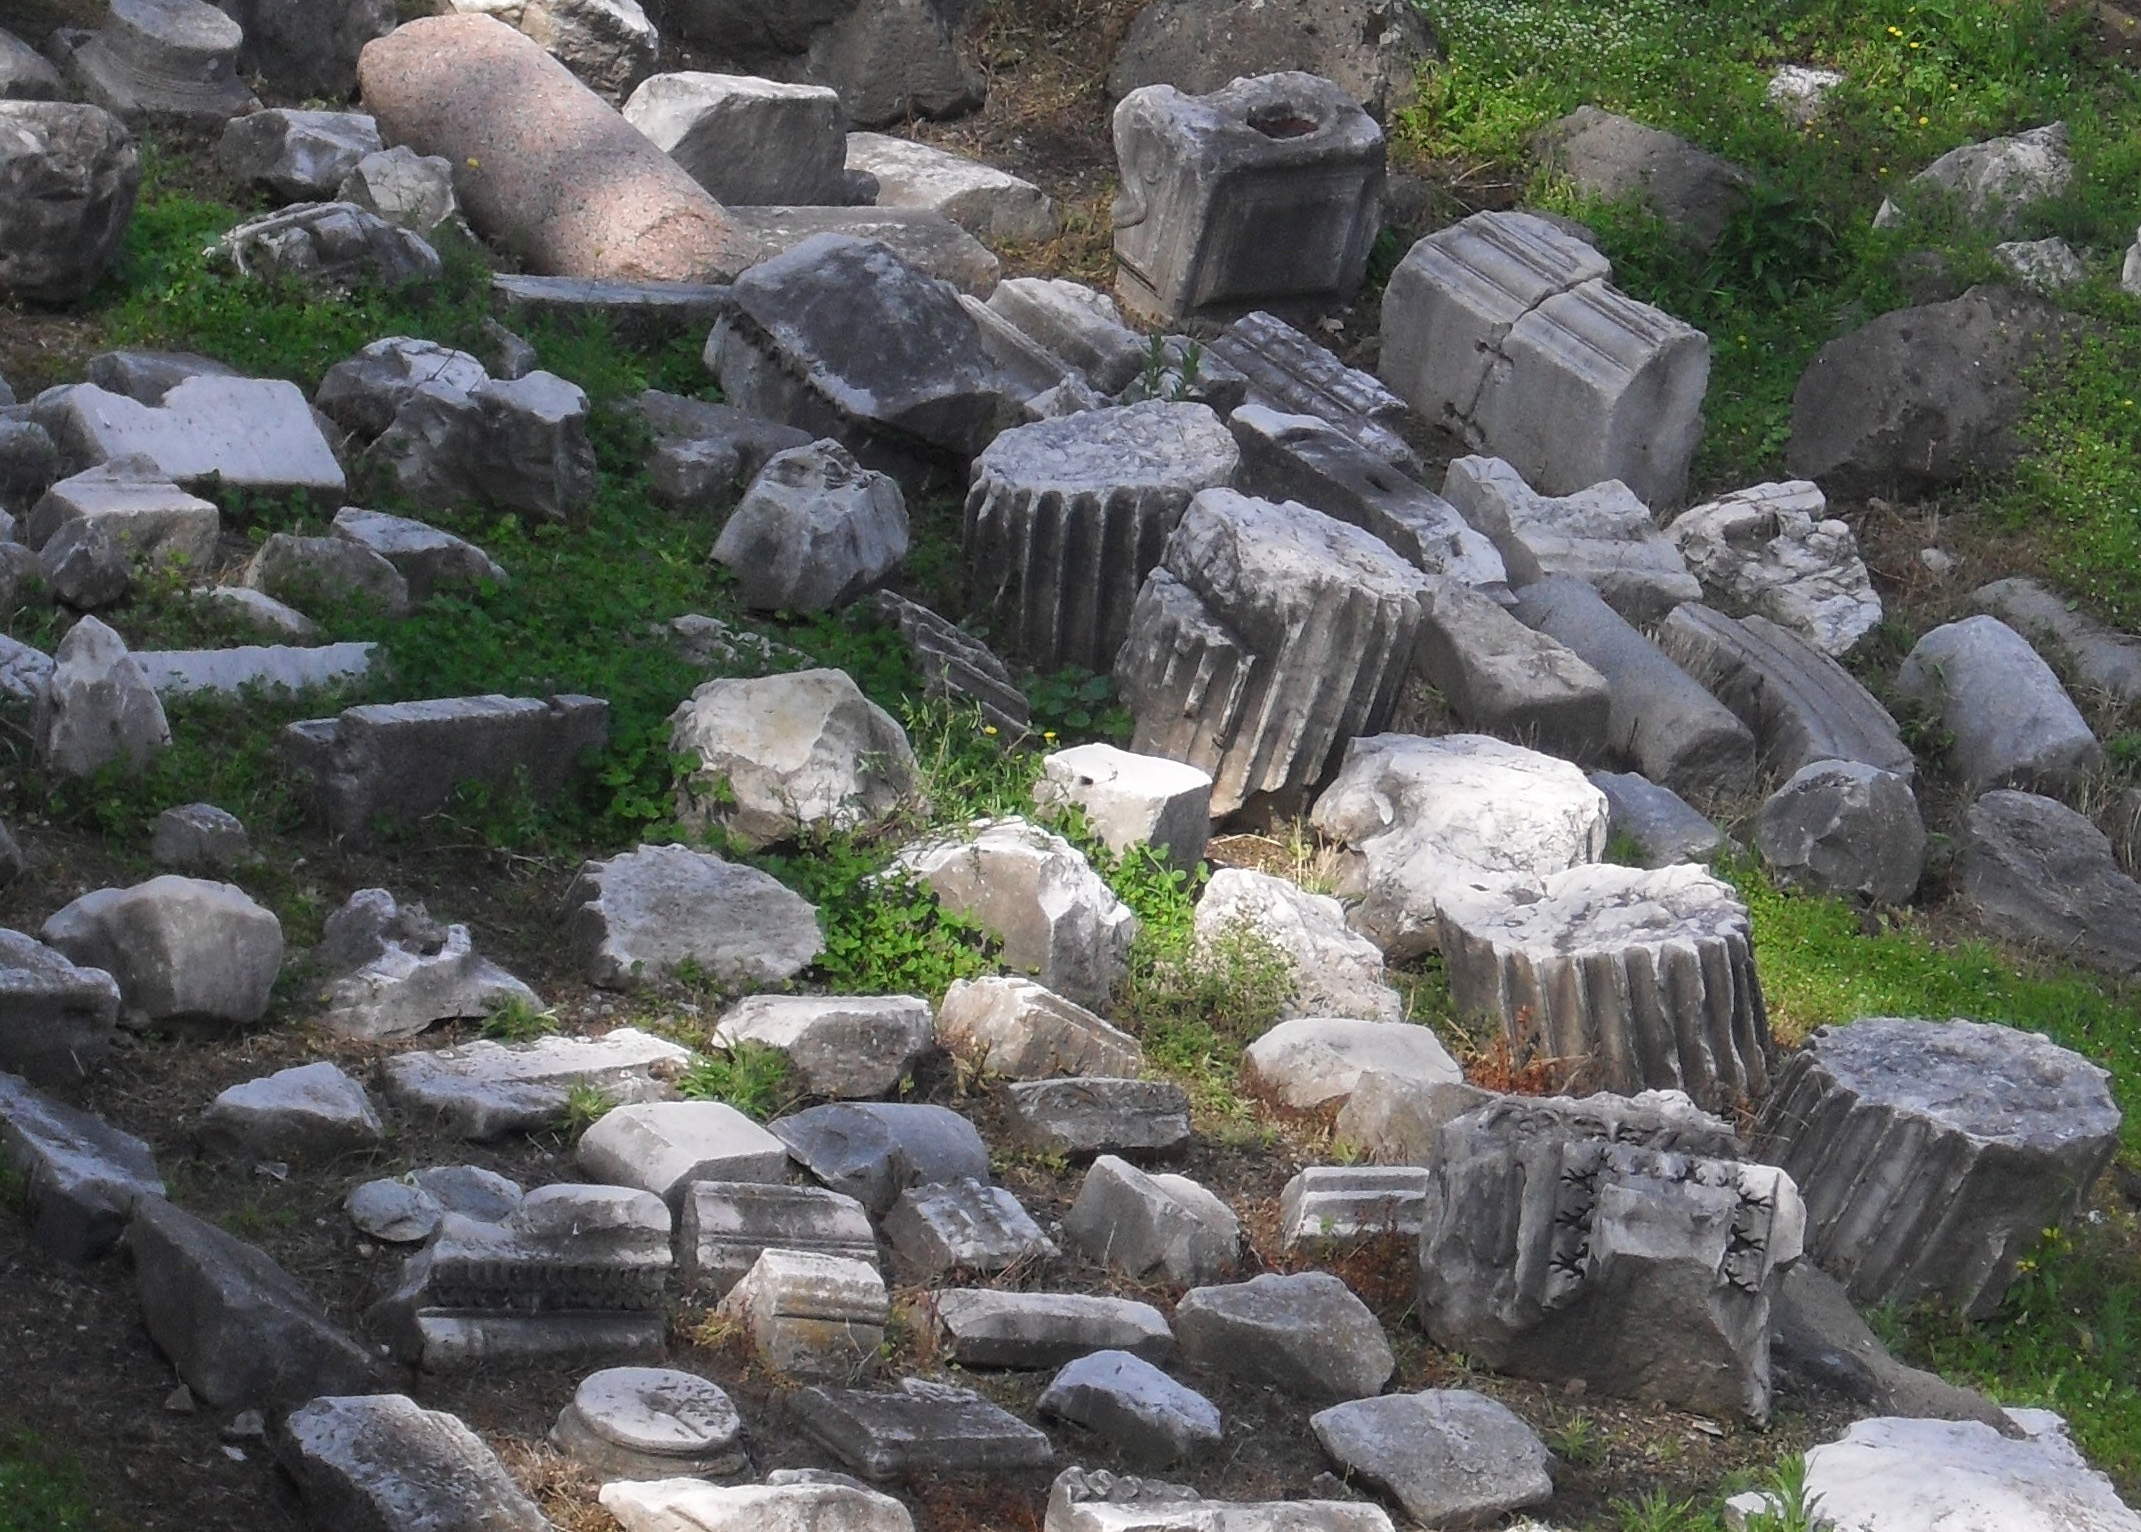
1161,929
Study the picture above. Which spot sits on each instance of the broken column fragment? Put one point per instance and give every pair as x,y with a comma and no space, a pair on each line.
1933,1155
1505,331
1290,374
1772,550
1267,636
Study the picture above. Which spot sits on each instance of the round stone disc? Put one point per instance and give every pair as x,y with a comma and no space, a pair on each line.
658,1410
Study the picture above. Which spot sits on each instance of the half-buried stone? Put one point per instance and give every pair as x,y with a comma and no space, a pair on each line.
1307,1334
1628,978
638,916
985,1328
838,1045
1318,1061
485,1089
650,1423
1335,971
919,1427
1129,1403
313,1111
1933,1155
1449,1456
394,1211
1152,1227
1066,518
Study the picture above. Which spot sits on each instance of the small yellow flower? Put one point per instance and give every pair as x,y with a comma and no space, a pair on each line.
1895,31
988,728
1923,121
1051,733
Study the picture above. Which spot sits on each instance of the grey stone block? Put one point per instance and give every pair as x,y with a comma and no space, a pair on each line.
1152,1226
1077,325
148,515
747,140
298,156
651,1423
1132,800
1773,551
2098,658
963,1225
1133,1406
1307,1334
311,1111
160,63
637,917
383,1463
1817,1341
1451,1457
724,1226
198,837
814,531
705,455
1843,827
1090,1115
923,238
920,1427
986,1328
184,951
839,1046
1612,158
91,704
1502,678
664,1146
1656,820
1932,1155
2011,723
874,1151
2033,869
1290,373
1312,1062
811,1315
1336,971
69,204
56,1019
484,1089
426,558
81,1177
1019,1030
988,203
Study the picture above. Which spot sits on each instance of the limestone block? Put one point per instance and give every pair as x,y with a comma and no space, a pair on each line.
1066,518
1933,1154
651,1423
814,531
1661,722
1091,1500
1801,706
1132,800
94,705
240,1331
705,455
1432,823
312,1111
609,44
1504,679
68,179
148,515
724,1226
838,1046
2098,658
1152,1227
786,753
484,1089
785,350
1308,459
812,1315
364,392
427,558
368,1461
1341,1204
560,178
1771,550
1267,188
83,566
746,140
983,1327
298,156
664,1146
1076,324
1843,827
259,611
963,1225
248,668
988,203
1991,183
1019,1030
1503,330
1289,373
1918,1475
1630,978
161,63
693,1505
397,762
1656,820
920,1427
2010,721
1604,1239
954,665
1086,1115
81,1178
1335,971
1306,1333
1449,1456
1056,918
1266,636
319,571
2035,870
924,239
1601,535
876,1150
520,444
58,1018
184,951
245,433
411,190
1318,1061
1127,1402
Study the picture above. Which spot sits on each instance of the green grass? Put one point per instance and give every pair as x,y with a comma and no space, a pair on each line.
39,1493
750,1077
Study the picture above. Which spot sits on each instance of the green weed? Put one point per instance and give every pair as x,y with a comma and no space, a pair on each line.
39,1492
516,1021
585,1105
750,1077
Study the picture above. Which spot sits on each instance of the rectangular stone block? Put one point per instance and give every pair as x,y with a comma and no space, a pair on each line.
1503,678
81,1176
244,433
395,763
482,1089
150,516
262,667
725,1226
920,1427
1336,1203
812,1315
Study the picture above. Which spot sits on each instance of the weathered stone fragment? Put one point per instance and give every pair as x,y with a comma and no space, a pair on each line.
889,62
1086,1115
1504,330
83,566
693,1505
394,763
837,1046
255,668
2035,870
312,1111
664,1146
1449,1456
1603,1240
1817,1341
94,706
705,455
963,1225
748,141
1020,1030
609,44
1307,1333
725,1225
1843,827
56,1019
238,1328
1266,636
68,178
363,393
1149,1227
1335,971
1771,551
639,915
1504,679
874,1151
1631,978
812,1315
1613,159
484,1089
1601,535
1077,325
411,190
1990,184
955,666
1341,1204
2010,722
1067,517
383,1463
298,156
520,444
1129,1403
561,179
183,951
81,1178
1031,888
1933,1154
332,246
159,63
988,203
920,1427
407,980
394,1211
1922,1475
986,1328
25,75
1656,821
427,558
1092,1500
324,571
814,531
1801,706
149,516
1432,823
1661,720
1318,1061
1132,800
925,240
1266,188
651,1423
2099,659
1289,373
